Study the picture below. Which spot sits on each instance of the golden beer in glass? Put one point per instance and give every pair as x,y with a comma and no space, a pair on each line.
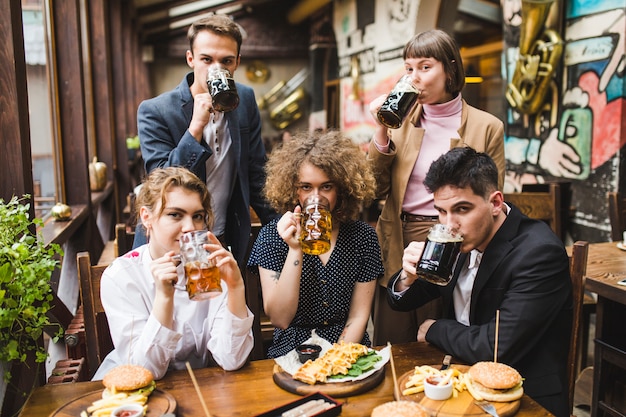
316,225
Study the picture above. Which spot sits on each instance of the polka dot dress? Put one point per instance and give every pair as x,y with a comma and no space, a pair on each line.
325,290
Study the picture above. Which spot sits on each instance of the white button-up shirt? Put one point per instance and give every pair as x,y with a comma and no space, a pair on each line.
201,328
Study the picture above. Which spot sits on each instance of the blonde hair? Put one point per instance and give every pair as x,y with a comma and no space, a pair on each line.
340,158
162,180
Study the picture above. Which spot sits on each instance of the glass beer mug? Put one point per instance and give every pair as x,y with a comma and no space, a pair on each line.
441,251
398,103
315,225
201,275
222,89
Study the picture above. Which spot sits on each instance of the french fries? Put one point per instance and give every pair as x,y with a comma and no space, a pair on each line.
104,407
415,384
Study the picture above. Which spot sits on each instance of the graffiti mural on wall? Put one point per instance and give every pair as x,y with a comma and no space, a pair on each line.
370,39
580,130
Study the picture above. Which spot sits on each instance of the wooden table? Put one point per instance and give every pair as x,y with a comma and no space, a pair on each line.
606,261
251,390
606,266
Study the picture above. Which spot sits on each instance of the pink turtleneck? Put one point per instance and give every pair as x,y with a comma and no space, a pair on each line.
441,123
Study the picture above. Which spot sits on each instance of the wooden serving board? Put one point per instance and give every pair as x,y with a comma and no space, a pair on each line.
334,389
463,405
159,403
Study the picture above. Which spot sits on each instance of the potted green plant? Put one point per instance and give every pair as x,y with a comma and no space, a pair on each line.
132,145
26,265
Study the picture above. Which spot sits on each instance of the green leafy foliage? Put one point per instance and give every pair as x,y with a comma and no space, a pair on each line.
363,364
26,265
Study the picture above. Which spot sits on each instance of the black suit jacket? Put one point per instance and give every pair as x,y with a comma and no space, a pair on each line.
524,273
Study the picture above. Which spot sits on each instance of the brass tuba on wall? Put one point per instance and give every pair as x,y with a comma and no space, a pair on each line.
285,100
289,110
538,58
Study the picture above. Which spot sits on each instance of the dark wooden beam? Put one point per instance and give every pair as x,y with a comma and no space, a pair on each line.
124,124
158,30
68,88
15,153
163,5
15,160
109,150
127,52
99,64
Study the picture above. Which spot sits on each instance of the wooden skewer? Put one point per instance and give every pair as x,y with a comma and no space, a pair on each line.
495,347
396,390
195,384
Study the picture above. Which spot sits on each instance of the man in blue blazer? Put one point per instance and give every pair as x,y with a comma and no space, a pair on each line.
509,263
182,128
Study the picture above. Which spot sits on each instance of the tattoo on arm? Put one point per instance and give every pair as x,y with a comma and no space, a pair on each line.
342,336
296,262
275,276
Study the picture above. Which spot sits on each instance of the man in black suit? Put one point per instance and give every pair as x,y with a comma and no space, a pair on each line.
509,263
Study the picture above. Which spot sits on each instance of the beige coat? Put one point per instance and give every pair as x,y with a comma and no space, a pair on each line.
479,130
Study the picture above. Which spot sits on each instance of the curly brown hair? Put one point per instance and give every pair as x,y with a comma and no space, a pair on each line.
340,158
162,180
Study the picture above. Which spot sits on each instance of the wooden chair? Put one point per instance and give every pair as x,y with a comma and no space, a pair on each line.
617,215
577,270
262,327
123,239
97,334
544,206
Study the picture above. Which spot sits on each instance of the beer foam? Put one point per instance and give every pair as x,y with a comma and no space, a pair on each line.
441,233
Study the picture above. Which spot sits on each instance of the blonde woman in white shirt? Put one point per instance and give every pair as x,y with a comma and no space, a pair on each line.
153,322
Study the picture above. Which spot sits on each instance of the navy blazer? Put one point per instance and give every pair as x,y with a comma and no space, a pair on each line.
165,140
524,273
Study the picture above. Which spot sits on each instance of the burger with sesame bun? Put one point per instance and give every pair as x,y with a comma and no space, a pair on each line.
494,381
129,379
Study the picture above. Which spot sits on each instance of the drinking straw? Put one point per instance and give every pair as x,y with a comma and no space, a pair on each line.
197,387
495,347
396,390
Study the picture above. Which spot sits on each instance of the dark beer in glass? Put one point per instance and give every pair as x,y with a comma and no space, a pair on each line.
440,254
222,89
398,103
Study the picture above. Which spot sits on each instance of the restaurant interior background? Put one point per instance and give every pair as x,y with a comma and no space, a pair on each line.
318,63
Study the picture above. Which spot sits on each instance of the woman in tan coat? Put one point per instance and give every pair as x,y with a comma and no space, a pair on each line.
401,157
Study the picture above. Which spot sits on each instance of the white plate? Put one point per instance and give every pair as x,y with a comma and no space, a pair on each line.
621,246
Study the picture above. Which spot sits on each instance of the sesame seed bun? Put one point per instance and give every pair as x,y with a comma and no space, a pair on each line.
399,409
494,381
495,375
127,378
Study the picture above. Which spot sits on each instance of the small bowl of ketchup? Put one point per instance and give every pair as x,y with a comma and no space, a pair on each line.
436,388
129,410
306,352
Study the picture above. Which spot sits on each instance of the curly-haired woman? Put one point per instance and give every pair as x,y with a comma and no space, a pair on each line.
330,293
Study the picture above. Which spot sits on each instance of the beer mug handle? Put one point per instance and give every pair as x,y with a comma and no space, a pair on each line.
181,284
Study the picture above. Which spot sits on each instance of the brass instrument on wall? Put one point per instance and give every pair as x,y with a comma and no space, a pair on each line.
289,110
285,112
282,89
540,50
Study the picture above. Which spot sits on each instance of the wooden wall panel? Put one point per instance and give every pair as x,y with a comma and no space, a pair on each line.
70,94
15,155
100,66
123,126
